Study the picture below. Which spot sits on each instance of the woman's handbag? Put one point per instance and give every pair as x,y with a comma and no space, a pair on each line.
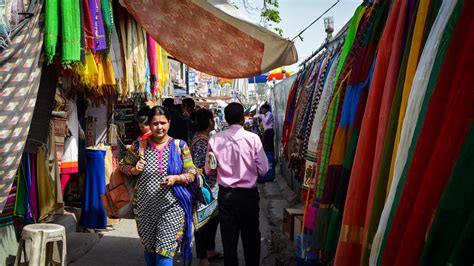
119,193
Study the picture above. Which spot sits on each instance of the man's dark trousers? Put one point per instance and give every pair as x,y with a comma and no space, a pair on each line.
239,213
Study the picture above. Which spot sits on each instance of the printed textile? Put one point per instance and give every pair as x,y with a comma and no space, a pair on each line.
20,70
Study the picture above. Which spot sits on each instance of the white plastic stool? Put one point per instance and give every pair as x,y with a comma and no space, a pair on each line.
40,252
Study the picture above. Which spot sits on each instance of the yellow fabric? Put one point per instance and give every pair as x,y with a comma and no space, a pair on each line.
140,71
125,32
46,195
413,58
163,69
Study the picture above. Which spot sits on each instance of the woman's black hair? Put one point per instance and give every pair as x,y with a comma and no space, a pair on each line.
142,116
202,119
159,110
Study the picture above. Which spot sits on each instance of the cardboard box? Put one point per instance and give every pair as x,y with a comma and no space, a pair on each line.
297,229
289,221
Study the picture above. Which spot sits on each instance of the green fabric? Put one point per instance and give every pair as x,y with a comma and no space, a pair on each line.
337,208
431,17
20,201
51,29
351,34
454,215
385,162
330,124
108,20
438,63
71,32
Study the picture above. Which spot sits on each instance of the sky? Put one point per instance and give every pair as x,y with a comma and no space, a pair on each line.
297,14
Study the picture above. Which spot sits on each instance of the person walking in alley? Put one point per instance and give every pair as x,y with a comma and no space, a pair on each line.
161,207
267,120
240,160
208,220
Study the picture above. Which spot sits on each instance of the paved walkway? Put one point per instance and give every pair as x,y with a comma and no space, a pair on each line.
122,246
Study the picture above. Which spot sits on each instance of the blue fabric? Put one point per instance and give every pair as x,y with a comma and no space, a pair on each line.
150,258
154,259
270,175
93,212
175,167
163,261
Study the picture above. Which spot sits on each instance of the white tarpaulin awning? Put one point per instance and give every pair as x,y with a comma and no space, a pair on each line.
212,36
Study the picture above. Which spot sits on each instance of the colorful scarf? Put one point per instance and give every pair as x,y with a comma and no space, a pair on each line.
88,29
98,30
71,32
347,135
361,188
421,81
108,20
448,119
51,29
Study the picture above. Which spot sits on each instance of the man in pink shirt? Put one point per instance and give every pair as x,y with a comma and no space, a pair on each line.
240,160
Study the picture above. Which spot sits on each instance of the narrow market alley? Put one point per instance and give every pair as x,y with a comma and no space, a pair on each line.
121,246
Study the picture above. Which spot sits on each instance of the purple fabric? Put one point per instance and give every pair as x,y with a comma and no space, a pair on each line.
97,26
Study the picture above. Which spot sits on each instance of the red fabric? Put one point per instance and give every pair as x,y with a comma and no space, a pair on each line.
393,71
388,60
455,88
88,31
145,136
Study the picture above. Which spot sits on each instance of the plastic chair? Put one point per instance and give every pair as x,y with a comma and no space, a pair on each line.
43,238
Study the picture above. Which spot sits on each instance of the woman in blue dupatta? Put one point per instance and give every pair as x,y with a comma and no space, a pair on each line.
162,204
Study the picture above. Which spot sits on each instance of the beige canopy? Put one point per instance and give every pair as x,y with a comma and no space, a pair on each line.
212,36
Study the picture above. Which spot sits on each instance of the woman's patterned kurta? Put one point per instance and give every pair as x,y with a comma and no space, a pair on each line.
158,213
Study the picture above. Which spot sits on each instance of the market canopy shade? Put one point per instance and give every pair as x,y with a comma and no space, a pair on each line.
212,36
262,78
279,74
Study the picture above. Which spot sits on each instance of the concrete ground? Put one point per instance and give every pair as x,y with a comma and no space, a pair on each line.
122,246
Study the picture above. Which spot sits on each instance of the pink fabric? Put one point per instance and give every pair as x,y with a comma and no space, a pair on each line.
240,158
64,181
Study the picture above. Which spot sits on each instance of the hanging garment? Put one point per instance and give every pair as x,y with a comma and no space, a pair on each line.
452,101
415,51
98,31
6,217
325,65
164,72
93,211
88,26
70,161
419,88
70,31
321,110
152,61
384,147
381,92
46,193
108,20
347,134
450,237
19,89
